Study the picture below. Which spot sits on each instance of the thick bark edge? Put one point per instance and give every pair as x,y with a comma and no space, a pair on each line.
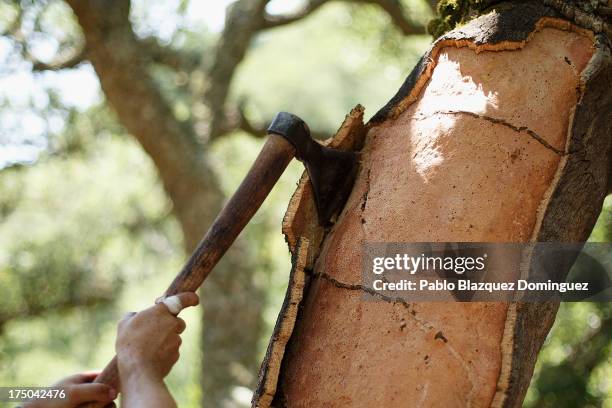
270,367
568,214
304,236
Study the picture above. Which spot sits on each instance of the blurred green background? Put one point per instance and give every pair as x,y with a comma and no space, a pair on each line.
88,231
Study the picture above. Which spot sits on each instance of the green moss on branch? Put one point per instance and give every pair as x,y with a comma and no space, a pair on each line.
452,13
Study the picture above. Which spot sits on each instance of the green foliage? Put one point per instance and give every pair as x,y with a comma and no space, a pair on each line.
369,25
603,229
76,229
574,364
323,66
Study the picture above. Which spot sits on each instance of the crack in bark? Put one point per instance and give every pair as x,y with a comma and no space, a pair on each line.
520,129
424,326
349,286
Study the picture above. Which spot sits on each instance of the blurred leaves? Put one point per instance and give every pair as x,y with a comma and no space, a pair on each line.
77,228
322,67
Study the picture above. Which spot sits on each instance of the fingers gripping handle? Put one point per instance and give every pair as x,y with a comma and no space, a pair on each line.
271,162
109,376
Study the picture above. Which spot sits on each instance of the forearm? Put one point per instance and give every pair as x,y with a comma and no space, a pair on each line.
139,389
147,347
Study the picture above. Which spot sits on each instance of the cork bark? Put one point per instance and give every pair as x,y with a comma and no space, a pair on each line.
498,135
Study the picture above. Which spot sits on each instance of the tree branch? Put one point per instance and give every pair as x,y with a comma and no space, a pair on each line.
70,61
178,60
237,119
244,124
121,64
400,16
394,8
271,21
243,19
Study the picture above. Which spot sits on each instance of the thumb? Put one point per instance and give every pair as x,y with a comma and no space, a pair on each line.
188,299
81,393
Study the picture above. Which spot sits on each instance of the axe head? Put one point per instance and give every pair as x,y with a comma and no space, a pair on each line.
332,172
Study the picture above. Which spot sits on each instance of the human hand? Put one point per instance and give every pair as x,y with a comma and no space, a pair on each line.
148,342
79,389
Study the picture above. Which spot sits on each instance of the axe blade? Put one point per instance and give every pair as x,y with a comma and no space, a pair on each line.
332,172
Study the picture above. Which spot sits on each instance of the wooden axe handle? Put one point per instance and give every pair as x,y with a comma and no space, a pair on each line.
271,162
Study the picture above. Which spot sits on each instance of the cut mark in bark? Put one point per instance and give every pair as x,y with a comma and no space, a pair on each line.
440,335
364,198
519,129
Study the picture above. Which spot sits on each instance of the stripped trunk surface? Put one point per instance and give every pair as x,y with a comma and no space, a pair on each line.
501,133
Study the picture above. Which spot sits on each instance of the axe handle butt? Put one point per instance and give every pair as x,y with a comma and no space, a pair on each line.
270,164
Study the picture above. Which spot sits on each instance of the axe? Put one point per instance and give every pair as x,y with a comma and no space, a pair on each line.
332,174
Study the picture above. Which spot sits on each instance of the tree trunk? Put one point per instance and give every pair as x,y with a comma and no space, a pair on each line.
500,134
229,345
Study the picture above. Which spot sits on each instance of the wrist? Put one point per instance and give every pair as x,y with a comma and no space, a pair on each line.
142,386
135,368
